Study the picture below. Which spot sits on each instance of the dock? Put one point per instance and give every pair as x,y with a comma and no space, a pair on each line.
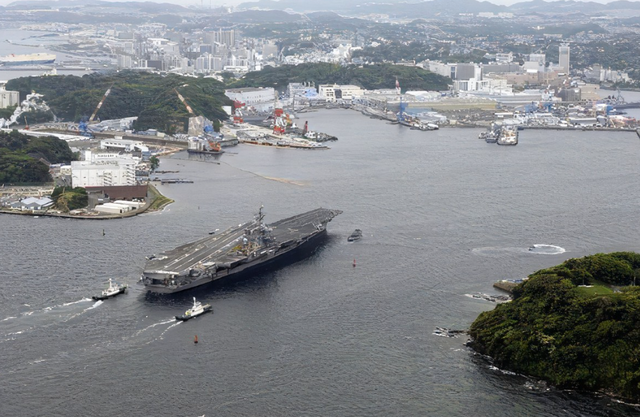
175,181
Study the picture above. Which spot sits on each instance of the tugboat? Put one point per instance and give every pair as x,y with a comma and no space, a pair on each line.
356,235
197,309
112,290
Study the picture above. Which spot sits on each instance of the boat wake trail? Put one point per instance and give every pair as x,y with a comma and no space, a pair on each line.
167,329
30,320
148,334
543,249
96,304
282,180
76,302
539,249
154,325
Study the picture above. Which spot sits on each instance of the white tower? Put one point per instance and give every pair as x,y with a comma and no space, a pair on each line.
563,59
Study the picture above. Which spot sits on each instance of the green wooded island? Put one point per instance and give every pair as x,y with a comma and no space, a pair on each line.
576,325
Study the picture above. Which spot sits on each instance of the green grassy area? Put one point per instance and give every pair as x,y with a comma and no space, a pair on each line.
159,201
595,289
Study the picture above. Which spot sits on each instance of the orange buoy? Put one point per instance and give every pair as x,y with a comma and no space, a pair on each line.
195,339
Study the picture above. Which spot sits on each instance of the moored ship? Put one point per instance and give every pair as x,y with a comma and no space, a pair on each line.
237,251
29,59
204,146
508,136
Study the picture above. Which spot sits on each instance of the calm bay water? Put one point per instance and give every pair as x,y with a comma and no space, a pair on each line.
19,42
443,215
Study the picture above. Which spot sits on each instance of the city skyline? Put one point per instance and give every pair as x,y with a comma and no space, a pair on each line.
233,3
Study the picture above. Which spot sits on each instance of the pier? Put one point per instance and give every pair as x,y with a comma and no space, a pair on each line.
175,181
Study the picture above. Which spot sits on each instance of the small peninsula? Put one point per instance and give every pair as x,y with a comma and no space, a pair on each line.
576,325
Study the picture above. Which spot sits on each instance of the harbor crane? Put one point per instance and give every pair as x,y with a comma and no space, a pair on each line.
95,112
237,113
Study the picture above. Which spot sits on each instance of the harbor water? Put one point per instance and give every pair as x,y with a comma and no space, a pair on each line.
443,216
20,42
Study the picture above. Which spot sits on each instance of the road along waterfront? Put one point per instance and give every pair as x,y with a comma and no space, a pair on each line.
443,215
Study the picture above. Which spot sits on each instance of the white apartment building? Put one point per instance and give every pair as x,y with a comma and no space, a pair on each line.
125,62
256,97
504,57
103,173
564,58
489,85
208,63
8,98
457,71
333,92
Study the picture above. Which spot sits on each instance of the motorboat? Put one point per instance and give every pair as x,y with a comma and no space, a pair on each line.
356,235
112,290
197,309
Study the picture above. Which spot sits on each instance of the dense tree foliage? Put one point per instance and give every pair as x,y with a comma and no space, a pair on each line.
7,112
572,337
23,159
52,149
369,77
155,162
151,97
18,168
67,198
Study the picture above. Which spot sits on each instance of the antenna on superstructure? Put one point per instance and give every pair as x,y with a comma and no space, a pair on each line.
260,216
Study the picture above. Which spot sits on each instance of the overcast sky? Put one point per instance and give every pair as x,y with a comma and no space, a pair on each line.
217,3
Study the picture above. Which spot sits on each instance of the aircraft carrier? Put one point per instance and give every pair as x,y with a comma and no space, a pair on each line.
237,251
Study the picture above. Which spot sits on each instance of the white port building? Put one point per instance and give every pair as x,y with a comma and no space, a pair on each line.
259,98
103,173
333,92
126,145
112,208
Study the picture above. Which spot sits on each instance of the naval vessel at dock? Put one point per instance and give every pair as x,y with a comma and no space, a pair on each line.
237,251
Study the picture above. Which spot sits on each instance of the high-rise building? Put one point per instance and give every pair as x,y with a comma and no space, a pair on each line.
225,37
8,98
563,60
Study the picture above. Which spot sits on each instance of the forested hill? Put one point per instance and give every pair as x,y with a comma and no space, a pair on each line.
22,157
151,97
567,325
369,77
154,100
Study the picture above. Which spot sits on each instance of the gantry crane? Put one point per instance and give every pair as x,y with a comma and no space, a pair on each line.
189,109
95,112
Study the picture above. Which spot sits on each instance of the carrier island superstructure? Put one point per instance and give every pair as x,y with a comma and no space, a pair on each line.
249,247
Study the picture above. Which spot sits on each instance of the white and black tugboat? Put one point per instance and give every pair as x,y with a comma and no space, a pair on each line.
112,290
197,309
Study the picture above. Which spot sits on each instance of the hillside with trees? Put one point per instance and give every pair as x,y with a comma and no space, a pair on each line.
153,98
150,97
66,198
24,159
369,77
575,325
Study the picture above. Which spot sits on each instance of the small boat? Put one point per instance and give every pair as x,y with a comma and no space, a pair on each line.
197,309
112,290
356,235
